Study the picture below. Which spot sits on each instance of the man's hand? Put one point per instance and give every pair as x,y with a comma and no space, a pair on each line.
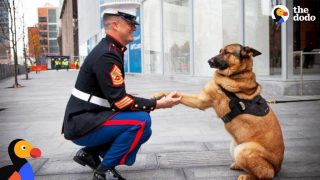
168,101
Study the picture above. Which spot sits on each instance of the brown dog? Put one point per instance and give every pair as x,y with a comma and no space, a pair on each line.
258,143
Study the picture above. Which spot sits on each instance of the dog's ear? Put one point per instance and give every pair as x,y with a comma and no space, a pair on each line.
248,51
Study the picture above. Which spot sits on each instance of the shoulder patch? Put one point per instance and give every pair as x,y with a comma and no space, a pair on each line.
116,76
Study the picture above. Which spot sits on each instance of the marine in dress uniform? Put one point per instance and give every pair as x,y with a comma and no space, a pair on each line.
101,115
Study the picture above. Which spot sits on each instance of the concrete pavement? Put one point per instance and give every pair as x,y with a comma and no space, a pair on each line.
186,143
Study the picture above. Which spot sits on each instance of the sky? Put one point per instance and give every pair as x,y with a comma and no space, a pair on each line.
30,10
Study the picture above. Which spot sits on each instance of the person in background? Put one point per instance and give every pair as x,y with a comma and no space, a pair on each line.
76,63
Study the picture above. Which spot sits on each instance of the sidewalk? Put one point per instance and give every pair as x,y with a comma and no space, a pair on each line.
186,143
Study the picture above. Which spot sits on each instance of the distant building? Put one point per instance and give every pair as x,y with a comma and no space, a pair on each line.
69,29
48,29
4,33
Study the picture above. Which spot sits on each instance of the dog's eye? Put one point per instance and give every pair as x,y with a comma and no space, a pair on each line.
226,53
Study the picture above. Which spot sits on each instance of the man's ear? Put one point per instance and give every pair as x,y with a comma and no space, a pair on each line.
114,24
249,51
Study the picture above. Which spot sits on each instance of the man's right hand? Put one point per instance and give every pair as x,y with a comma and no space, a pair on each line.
168,101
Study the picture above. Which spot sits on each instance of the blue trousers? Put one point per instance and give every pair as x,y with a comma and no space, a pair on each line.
126,132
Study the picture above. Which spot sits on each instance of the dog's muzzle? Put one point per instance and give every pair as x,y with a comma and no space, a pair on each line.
218,63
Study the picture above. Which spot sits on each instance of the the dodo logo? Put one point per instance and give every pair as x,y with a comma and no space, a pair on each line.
280,14
20,168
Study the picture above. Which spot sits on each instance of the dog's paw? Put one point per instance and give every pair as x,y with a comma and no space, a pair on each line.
158,95
234,166
246,177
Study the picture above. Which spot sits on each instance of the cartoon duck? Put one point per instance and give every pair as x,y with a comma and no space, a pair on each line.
18,150
278,14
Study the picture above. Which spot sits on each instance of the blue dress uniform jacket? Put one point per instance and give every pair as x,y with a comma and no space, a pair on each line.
101,75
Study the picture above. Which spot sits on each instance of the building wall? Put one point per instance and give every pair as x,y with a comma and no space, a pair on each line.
183,45
67,29
4,33
88,22
48,29
43,27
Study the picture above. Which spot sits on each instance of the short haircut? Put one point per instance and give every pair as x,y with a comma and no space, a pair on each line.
107,18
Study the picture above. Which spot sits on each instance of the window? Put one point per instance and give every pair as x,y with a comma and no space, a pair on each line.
305,38
54,49
52,27
177,33
44,34
53,34
42,19
43,42
53,43
43,27
52,16
153,62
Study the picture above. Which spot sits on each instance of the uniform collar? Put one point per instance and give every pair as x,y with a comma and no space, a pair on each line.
116,43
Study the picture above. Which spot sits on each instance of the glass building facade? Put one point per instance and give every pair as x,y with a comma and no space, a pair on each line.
48,27
179,36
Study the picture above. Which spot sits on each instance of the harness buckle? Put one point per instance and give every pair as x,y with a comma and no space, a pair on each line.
243,106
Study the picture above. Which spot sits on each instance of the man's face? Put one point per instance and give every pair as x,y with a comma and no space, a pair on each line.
126,30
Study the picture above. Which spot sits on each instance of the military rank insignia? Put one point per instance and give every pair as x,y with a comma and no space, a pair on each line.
124,102
116,76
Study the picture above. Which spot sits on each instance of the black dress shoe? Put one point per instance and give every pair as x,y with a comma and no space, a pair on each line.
116,174
84,158
110,174
99,176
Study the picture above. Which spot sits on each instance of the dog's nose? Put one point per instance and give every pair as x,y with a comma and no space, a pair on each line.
210,60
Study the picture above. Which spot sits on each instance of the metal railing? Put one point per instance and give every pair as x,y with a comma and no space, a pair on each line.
301,53
7,70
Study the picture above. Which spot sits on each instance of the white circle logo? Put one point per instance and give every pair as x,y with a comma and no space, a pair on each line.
280,14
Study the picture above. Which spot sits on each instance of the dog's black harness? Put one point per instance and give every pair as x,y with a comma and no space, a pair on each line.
257,106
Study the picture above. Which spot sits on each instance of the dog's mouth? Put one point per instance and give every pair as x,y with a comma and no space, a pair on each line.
218,63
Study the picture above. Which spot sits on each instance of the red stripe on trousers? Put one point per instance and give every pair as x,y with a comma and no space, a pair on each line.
136,139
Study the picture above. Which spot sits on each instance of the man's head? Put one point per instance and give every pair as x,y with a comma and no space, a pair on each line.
120,25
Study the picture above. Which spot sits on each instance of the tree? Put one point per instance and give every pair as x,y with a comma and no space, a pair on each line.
24,51
35,49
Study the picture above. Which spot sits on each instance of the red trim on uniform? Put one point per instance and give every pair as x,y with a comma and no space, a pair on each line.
136,139
116,40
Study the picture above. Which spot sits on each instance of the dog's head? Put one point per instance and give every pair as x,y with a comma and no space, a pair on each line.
233,59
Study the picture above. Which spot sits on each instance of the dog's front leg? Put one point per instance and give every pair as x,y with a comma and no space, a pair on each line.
200,101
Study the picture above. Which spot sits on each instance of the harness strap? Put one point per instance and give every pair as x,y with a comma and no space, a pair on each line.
256,106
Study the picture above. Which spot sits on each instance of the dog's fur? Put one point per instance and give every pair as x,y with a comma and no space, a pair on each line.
258,143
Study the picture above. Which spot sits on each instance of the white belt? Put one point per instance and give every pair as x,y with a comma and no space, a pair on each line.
89,98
